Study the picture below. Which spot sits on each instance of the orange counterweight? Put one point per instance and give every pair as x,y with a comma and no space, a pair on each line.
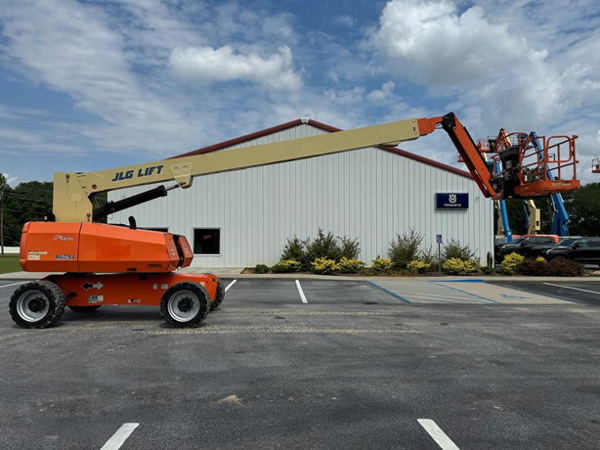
97,247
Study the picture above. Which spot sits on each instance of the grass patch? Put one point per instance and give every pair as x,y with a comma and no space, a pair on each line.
9,263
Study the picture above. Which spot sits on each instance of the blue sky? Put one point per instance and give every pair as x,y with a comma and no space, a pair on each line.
91,85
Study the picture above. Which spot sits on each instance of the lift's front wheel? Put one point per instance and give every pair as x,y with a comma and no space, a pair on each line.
185,305
219,296
38,304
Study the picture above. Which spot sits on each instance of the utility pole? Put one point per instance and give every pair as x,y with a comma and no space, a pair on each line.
3,186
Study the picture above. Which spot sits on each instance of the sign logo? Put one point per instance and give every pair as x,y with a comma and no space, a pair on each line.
452,200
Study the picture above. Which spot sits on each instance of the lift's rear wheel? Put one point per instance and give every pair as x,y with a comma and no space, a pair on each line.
38,304
219,296
84,309
185,305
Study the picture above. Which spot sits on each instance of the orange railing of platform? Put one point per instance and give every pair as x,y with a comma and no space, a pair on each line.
536,158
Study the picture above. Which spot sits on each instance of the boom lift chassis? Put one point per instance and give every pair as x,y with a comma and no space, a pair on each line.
119,265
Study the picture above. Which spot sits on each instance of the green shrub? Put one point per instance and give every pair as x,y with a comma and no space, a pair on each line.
292,264
540,259
349,248
533,267
261,268
510,263
556,268
561,267
405,248
323,246
455,250
417,266
488,270
294,249
459,266
382,265
347,265
280,268
324,266
429,256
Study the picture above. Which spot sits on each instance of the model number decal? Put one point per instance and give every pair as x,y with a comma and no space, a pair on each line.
65,256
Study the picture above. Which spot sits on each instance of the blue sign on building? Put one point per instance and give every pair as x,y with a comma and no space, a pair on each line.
452,201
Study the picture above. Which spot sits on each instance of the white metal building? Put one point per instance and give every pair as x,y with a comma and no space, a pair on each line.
243,218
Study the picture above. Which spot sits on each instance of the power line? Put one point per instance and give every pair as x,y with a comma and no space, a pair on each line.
25,197
23,210
27,191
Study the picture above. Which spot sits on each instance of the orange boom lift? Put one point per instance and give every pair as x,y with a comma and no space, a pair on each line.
118,265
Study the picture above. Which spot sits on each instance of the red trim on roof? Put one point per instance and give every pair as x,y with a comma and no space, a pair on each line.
244,138
400,152
325,127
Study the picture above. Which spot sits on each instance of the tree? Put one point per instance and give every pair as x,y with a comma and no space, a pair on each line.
584,209
28,201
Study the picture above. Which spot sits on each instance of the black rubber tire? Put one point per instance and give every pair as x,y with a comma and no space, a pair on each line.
219,296
83,309
56,304
202,295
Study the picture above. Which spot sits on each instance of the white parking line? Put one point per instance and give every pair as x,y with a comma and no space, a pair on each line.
14,284
119,438
573,288
437,434
301,292
229,285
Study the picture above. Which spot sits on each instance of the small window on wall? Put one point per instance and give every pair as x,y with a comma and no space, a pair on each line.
162,230
207,241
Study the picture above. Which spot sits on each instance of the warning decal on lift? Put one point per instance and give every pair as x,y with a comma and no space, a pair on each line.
95,298
87,285
36,255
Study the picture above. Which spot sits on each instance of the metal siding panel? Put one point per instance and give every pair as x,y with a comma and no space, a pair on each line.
369,194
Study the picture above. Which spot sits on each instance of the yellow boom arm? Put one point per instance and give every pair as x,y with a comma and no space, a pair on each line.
73,191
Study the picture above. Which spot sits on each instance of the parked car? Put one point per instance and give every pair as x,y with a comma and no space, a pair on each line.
530,246
583,250
540,249
499,242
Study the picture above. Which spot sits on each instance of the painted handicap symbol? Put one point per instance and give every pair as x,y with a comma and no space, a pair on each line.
513,297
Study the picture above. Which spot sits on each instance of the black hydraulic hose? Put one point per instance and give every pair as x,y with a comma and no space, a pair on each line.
112,207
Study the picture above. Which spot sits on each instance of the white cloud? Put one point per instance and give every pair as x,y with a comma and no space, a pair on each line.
71,48
11,181
500,65
240,68
344,21
469,55
379,95
437,45
223,64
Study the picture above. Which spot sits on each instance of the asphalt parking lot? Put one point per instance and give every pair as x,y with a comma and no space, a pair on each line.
321,365
582,292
